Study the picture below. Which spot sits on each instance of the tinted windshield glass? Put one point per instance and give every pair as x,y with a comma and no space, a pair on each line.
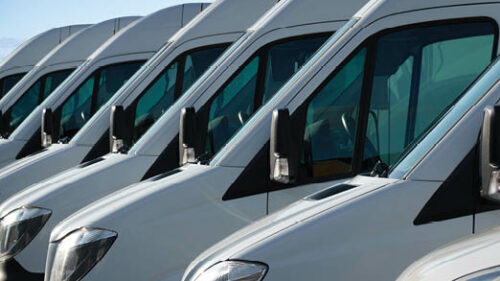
479,89
170,85
8,82
91,95
254,84
35,95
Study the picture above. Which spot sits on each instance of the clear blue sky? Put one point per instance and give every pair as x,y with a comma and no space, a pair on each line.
22,19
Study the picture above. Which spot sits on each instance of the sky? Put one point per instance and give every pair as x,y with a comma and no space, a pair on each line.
22,19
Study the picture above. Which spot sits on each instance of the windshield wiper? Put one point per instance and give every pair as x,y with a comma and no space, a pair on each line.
380,170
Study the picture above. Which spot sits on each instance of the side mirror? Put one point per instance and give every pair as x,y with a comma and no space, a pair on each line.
490,154
117,128
187,136
47,127
283,160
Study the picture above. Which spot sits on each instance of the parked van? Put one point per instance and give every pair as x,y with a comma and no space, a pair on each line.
475,258
41,81
375,225
23,58
282,35
92,140
366,67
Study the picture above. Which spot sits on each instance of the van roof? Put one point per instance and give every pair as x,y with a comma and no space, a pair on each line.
35,48
150,33
82,44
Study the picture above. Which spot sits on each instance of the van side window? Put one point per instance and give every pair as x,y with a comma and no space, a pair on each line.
91,95
256,82
331,121
35,95
417,79
175,80
8,82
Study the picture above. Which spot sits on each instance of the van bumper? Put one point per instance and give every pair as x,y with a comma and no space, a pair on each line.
12,271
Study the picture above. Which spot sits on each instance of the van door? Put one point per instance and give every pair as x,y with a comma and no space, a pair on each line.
383,99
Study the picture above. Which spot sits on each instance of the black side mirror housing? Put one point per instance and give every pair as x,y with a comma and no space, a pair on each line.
117,129
283,153
490,154
187,136
47,127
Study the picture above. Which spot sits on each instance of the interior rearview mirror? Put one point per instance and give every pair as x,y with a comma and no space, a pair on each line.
47,127
490,154
283,155
187,136
117,129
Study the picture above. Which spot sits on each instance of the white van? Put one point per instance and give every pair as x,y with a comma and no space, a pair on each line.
363,73
92,140
42,80
21,60
373,227
475,258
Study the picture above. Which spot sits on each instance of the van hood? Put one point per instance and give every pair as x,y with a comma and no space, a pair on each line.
119,210
287,217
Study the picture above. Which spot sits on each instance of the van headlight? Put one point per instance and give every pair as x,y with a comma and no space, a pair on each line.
234,271
18,228
77,253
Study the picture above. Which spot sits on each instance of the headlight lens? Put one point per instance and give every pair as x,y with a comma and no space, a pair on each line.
490,274
77,253
18,228
234,271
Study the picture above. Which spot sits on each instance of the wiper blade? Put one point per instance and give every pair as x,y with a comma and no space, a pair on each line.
380,170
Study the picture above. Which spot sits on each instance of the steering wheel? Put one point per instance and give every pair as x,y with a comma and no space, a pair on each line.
349,125
242,116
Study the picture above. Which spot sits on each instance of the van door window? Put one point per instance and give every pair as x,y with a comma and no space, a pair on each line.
257,81
170,85
419,73
331,121
91,95
8,82
35,95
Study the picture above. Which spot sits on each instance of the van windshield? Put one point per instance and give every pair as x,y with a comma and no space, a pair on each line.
94,92
8,82
475,92
34,96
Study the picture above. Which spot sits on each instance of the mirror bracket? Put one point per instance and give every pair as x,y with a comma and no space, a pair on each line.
187,136
283,160
47,127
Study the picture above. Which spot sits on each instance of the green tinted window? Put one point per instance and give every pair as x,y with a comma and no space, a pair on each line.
331,121
160,94
196,63
53,81
254,85
33,97
164,90
23,107
91,95
416,80
8,82
77,109
232,106
111,79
